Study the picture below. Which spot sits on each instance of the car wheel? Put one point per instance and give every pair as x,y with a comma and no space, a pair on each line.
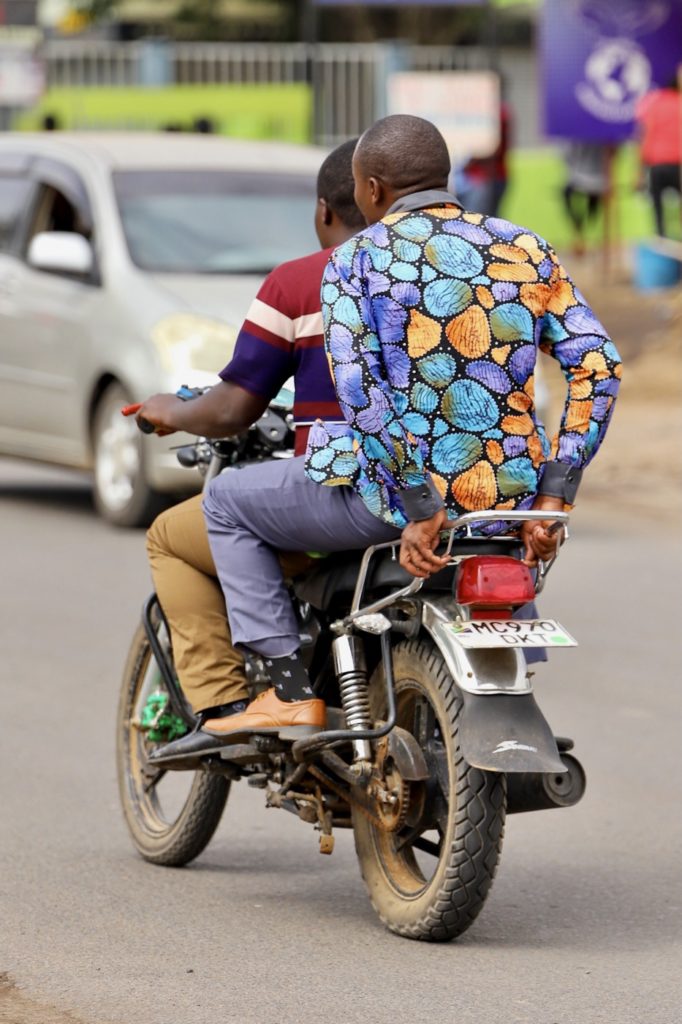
122,495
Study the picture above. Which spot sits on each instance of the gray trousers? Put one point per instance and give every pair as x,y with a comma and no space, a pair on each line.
254,512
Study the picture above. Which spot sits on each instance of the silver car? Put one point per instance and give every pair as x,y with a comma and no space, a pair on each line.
127,263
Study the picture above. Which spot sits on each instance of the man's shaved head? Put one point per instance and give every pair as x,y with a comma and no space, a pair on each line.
408,154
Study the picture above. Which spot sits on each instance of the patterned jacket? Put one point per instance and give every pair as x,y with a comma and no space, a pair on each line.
433,318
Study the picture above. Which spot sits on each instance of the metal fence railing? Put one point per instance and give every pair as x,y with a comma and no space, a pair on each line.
348,78
72,63
243,63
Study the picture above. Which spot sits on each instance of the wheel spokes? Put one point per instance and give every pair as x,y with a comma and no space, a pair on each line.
153,779
427,846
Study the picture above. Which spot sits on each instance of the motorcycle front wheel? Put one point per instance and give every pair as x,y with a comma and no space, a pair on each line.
171,816
429,879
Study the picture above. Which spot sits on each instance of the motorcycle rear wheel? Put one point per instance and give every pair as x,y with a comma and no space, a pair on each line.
430,879
170,838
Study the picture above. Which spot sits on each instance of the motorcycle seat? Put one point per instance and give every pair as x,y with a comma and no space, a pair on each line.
336,575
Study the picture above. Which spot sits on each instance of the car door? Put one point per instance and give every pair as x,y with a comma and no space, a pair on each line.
45,319
17,193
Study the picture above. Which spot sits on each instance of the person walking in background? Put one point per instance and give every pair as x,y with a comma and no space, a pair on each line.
587,184
480,184
659,116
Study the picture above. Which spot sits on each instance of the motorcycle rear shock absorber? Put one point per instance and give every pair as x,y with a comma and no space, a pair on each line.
351,673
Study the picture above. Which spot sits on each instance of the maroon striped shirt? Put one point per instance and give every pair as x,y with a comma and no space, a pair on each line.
282,337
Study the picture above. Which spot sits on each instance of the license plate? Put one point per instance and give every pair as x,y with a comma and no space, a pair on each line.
512,633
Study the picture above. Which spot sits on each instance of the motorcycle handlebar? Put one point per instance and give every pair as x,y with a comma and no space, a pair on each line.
144,425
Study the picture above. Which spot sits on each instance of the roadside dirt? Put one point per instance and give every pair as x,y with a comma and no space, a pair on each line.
637,474
15,1008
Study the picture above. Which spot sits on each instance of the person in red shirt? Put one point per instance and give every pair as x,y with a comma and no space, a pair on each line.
282,337
659,116
482,182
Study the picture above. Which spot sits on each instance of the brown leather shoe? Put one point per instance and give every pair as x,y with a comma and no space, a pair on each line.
268,714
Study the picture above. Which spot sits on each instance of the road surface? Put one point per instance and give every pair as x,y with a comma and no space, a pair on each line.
583,923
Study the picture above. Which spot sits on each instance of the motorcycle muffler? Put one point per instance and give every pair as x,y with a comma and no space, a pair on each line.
539,791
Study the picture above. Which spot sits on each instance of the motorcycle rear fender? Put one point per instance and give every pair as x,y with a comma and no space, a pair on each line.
505,732
484,670
502,728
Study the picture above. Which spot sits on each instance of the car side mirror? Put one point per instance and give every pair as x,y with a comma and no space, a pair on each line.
61,252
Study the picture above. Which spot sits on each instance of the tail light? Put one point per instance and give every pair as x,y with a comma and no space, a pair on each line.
490,583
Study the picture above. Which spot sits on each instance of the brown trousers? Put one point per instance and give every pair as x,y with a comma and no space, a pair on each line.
210,670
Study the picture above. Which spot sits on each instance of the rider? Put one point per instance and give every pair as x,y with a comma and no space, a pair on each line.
281,337
432,316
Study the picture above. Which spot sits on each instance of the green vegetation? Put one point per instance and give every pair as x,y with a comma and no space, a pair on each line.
244,111
534,198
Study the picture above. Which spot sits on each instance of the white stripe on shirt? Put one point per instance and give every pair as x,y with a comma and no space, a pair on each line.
272,320
308,325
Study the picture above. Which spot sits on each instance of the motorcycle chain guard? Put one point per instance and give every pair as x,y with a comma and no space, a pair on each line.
407,754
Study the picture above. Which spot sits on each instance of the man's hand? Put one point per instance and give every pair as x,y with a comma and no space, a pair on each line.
419,541
539,543
161,410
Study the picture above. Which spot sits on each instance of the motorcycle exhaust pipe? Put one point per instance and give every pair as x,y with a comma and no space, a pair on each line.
538,791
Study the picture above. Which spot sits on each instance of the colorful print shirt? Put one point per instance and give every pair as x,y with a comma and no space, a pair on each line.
432,320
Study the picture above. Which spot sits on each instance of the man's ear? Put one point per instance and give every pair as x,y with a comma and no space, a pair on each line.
377,190
326,212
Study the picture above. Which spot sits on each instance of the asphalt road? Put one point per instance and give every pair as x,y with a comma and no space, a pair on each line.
583,923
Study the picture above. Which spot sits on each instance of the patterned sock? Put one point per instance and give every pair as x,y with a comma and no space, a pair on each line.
289,677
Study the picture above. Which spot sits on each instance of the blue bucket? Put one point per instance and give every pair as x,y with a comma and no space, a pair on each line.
653,269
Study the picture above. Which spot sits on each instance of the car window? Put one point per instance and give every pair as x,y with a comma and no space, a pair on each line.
62,202
15,194
215,222
54,212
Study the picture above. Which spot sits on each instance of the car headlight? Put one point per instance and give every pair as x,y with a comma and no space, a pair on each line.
186,342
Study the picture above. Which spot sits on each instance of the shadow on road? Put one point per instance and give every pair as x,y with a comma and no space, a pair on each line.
552,907
76,497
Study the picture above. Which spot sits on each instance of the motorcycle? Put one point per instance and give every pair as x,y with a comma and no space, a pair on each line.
433,732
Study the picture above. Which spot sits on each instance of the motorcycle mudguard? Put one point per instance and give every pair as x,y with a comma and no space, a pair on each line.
504,732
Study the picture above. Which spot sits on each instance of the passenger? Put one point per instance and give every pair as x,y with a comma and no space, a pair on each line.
432,317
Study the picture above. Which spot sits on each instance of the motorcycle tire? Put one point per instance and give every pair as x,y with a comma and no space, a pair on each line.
175,839
421,888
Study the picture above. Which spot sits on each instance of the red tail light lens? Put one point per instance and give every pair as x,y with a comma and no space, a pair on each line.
494,581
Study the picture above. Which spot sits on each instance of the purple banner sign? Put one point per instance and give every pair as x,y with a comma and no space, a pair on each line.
600,57
401,3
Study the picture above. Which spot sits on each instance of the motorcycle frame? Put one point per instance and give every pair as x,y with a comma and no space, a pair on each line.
175,696
479,674
483,671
